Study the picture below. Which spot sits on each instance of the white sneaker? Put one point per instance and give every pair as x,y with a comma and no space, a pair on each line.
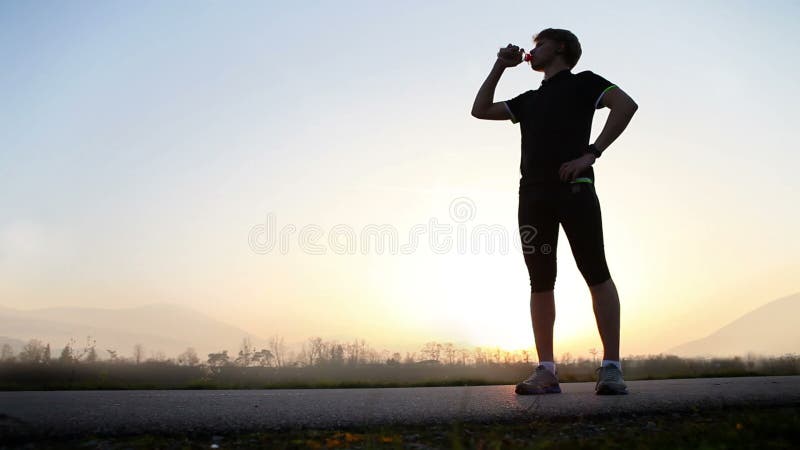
541,381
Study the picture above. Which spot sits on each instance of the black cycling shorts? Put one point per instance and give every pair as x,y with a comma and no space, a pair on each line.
577,208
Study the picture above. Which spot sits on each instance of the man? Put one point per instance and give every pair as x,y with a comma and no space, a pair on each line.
558,186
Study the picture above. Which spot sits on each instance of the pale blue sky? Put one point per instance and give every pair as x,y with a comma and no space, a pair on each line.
140,141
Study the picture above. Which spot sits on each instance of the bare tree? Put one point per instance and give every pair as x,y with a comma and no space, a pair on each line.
278,349
526,356
112,355
33,352
355,353
303,356
188,358
432,350
479,355
157,356
87,351
449,352
316,350
138,353
373,356
464,354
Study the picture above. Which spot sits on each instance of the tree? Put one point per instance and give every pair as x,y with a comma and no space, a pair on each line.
91,355
526,355
245,353
432,350
337,354
377,357
355,353
138,353
278,349
218,360
395,359
112,355
449,352
263,358
480,356
464,354
302,358
32,352
188,358
316,348
157,356
497,352
67,354
87,350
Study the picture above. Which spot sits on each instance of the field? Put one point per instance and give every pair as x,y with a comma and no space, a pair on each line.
58,375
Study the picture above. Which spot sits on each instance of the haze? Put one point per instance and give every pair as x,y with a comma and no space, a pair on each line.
141,145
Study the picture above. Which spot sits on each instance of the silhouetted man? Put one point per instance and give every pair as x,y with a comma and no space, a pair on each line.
558,186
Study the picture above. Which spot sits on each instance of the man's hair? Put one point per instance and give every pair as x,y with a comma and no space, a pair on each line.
572,48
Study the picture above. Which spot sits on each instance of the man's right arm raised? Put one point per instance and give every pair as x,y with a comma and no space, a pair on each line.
484,106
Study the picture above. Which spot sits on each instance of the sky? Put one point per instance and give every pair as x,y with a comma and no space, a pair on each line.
148,148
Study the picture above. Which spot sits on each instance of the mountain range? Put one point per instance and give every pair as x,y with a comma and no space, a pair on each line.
159,327
769,330
169,329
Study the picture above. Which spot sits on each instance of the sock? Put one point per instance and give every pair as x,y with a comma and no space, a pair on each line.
550,365
611,361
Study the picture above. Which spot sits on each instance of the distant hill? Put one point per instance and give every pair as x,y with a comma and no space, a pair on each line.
163,327
771,329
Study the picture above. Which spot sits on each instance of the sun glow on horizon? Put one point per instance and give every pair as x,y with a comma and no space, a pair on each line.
109,206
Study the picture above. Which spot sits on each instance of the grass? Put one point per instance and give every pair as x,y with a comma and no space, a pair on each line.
165,375
762,428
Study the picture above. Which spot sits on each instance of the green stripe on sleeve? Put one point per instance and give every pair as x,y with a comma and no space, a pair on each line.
612,86
601,95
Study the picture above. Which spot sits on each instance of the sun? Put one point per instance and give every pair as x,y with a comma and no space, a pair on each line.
495,304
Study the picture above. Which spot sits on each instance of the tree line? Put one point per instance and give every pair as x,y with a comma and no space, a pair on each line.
315,351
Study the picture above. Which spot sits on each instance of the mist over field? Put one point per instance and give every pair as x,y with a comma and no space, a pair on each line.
155,157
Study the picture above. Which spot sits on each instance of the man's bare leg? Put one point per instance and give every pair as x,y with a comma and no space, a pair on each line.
605,301
543,317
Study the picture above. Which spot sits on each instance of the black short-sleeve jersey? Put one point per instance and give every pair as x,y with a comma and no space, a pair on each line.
556,122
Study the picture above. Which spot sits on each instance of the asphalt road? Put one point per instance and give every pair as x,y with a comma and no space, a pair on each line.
40,414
